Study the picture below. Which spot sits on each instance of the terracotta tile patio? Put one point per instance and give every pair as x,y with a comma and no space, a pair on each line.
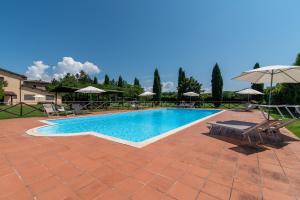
187,165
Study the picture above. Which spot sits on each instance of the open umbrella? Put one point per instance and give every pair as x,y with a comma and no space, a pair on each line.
146,94
271,74
39,97
191,94
90,90
249,92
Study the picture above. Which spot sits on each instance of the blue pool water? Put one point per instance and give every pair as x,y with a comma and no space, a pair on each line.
131,126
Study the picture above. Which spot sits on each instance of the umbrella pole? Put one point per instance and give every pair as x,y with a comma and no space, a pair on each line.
270,94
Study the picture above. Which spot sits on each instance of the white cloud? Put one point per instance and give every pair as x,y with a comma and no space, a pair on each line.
69,65
38,71
168,86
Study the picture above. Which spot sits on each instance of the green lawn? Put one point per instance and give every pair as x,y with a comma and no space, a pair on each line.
295,128
15,112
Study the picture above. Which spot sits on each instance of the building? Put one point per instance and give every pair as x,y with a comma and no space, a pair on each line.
18,89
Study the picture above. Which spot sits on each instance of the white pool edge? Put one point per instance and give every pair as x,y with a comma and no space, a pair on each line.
142,144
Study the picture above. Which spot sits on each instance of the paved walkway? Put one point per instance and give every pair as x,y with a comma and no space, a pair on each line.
186,165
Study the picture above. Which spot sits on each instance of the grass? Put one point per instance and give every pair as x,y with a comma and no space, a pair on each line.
295,128
15,112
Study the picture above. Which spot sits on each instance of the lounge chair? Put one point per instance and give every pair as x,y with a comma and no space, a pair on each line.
49,110
64,111
78,109
297,108
248,107
244,130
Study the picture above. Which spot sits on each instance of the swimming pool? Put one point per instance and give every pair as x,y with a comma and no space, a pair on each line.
137,128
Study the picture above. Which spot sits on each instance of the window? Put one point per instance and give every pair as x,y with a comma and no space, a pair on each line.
49,97
29,97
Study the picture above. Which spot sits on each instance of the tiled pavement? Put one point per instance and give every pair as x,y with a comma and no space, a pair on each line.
186,165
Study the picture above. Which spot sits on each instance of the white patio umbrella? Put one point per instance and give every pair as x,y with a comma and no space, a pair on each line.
39,97
146,94
90,90
191,94
249,91
271,74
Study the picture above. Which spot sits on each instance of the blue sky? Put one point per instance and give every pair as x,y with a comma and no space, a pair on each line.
132,37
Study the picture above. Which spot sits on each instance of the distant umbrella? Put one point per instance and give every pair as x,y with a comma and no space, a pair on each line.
191,94
146,94
90,90
249,92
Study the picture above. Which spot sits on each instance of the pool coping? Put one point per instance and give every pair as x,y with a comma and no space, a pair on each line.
142,144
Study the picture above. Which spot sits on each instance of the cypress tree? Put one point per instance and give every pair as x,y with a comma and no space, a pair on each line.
156,86
181,79
120,82
259,86
95,81
217,85
106,80
136,82
255,86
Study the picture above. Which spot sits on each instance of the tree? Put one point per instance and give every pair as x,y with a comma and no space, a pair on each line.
2,85
156,86
290,92
258,87
136,82
255,86
106,80
120,82
181,79
95,81
217,85
83,78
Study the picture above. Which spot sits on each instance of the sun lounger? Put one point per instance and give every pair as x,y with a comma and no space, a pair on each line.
78,109
243,130
49,109
248,107
64,111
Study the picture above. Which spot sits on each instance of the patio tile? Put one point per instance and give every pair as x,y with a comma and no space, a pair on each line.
161,183
221,179
147,193
111,195
23,194
172,173
247,187
198,171
66,171
33,173
80,181
216,190
182,192
270,194
204,196
144,175
60,192
239,195
92,190
44,185
192,181
10,184
128,187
